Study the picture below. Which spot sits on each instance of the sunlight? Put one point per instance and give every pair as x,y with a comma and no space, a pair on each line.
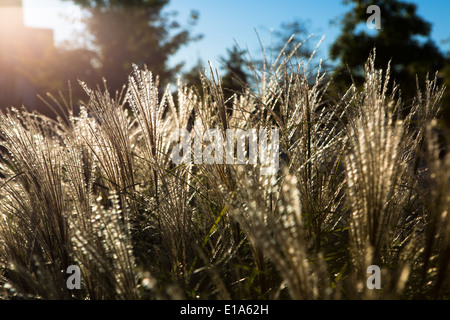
16,34
10,19
62,16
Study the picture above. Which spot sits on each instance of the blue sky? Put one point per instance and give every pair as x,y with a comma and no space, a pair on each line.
224,22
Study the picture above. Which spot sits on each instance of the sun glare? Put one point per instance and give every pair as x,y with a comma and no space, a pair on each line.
63,17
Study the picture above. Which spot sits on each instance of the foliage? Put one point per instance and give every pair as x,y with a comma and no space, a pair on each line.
145,35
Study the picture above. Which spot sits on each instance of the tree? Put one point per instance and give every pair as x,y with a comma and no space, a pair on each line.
234,65
56,69
289,36
404,39
234,79
192,77
136,31
236,76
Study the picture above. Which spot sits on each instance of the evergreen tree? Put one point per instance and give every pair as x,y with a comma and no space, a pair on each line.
236,77
289,36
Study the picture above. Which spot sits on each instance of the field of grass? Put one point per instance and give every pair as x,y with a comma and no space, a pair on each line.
362,181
